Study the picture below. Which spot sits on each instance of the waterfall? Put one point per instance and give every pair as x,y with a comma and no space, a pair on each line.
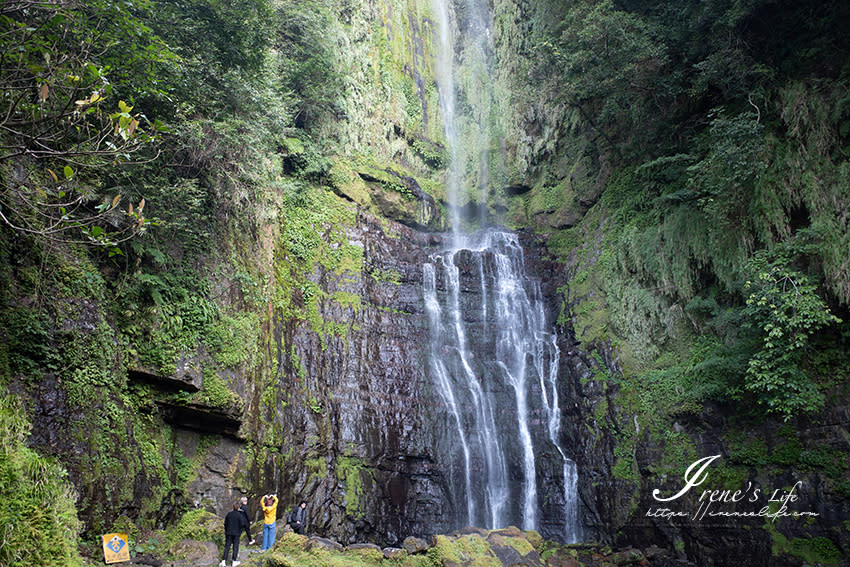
446,86
493,355
495,365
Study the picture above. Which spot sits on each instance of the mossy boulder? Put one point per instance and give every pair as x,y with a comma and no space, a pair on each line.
513,548
501,548
195,552
415,545
197,525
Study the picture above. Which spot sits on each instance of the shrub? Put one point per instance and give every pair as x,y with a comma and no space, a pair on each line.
38,520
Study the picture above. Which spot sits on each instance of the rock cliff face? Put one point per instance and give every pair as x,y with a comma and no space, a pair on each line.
353,407
364,442
783,514
347,417
347,423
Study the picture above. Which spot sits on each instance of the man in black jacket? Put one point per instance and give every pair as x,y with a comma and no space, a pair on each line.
234,522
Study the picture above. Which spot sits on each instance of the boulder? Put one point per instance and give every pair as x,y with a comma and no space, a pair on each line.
471,530
627,557
414,545
323,543
393,552
192,552
513,551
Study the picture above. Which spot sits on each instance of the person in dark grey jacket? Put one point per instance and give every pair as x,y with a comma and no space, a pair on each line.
299,518
244,509
234,523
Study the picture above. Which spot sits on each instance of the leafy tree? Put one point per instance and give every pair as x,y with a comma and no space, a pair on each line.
221,48
65,66
786,311
609,62
308,64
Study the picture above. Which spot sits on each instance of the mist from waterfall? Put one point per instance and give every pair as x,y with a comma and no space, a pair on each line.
494,359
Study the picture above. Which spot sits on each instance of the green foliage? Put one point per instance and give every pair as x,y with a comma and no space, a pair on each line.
220,48
309,68
813,550
816,550
215,392
170,314
75,56
472,550
317,467
443,551
476,545
66,68
607,58
197,524
753,452
303,159
234,340
167,316
389,276
150,546
315,406
27,339
786,311
313,229
686,232
832,461
748,163
38,519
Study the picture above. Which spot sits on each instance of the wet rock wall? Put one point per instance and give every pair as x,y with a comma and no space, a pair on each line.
364,437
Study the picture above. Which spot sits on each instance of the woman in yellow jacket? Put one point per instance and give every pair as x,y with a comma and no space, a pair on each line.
269,504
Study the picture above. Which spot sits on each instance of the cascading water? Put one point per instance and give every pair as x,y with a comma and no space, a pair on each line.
493,356
495,365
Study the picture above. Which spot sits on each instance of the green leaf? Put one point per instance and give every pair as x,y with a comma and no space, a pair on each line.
69,172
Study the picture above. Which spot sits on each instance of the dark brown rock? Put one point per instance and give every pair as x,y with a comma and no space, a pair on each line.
627,557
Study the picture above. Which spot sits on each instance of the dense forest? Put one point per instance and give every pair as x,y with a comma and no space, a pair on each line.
179,182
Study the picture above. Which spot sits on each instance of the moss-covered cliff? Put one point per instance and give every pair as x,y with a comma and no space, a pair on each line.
688,163
228,302
191,363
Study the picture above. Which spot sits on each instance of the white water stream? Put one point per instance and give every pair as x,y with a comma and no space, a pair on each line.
499,386
493,356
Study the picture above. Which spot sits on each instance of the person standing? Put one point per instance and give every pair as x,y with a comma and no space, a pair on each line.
244,509
299,517
234,523
269,504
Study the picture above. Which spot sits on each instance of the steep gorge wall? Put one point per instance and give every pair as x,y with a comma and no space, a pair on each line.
364,437
325,396
352,411
641,366
195,371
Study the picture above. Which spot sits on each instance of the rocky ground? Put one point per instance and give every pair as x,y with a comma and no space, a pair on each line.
470,547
